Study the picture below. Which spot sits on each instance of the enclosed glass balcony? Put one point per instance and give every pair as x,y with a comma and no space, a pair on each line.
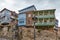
45,24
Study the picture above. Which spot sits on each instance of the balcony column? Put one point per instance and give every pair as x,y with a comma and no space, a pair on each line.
43,15
49,18
49,14
38,16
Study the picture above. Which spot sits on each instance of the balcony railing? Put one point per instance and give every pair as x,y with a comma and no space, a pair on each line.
46,16
45,24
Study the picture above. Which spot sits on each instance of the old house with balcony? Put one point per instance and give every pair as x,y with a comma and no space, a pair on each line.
23,16
45,18
6,21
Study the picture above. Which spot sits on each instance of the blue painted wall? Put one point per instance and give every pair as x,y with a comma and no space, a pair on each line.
21,19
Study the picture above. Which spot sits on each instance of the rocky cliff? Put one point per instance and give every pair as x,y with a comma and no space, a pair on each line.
28,34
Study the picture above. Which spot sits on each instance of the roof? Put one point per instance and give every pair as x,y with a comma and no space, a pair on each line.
27,8
13,13
5,9
46,10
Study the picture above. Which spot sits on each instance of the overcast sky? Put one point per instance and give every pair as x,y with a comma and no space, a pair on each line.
16,5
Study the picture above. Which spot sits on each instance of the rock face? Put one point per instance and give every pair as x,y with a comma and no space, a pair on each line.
46,35
28,34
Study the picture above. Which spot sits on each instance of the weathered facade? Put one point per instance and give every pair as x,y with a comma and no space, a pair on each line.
29,20
23,15
45,18
6,22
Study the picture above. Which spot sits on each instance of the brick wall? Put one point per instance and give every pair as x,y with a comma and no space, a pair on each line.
29,20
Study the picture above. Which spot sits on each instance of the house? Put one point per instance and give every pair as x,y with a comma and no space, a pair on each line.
26,19
22,16
29,20
6,21
5,15
45,18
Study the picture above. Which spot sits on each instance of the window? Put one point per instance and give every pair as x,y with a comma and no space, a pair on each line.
21,22
45,20
51,19
45,12
40,13
51,12
40,20
29,15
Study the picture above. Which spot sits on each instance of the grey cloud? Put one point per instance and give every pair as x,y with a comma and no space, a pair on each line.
1,1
